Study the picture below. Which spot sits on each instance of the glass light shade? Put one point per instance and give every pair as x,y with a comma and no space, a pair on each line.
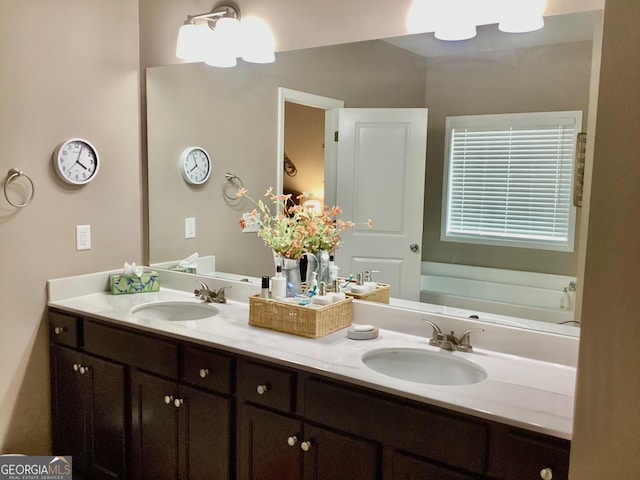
229,35
258,41
191,39
521,24
217,53
523,16
454,32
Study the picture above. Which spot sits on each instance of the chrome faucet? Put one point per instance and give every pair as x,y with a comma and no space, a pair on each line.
210,296
448,341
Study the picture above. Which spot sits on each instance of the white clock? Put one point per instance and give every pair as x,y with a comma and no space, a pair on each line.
76,161
195,165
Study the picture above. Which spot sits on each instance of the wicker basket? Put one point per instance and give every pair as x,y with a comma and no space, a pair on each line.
380,294
310,322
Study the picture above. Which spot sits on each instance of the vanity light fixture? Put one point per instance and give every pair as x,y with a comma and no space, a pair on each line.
453,20
220,37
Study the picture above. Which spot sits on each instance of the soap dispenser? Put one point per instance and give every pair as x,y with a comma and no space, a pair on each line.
368,279
360,286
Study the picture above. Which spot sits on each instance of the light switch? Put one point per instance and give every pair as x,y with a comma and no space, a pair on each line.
190,227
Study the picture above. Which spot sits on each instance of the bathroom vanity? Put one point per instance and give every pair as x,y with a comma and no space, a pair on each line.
142,399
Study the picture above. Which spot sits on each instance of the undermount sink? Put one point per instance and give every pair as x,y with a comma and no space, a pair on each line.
174,311
424,366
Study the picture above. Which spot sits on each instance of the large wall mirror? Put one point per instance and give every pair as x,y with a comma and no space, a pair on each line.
233,115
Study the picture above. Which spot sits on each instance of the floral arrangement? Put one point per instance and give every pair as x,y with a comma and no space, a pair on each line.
296,228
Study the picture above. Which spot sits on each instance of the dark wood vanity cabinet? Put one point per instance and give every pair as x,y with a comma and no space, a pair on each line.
133,405
88,412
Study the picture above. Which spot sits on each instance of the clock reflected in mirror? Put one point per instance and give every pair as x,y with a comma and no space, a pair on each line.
195,165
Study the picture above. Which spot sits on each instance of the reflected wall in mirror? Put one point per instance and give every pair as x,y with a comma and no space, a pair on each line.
233,115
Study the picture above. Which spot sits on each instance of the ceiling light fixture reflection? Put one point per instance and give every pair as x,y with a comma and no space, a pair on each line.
457,19
219,37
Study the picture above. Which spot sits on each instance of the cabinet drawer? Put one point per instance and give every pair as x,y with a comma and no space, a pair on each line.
428,432
266,385
152,354
207,369
65,329
517,454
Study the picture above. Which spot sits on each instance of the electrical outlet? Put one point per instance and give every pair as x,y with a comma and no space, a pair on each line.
190,227
251,226
83,237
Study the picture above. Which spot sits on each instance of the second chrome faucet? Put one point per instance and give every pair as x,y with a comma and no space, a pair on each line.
448,341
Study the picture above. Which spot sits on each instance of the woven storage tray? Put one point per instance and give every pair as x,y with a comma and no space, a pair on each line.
310,322
380,294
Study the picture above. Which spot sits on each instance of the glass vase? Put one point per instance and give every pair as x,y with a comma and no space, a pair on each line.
319,263
291,271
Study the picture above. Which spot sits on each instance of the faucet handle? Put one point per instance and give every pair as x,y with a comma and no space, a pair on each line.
436,339
464,342
220,296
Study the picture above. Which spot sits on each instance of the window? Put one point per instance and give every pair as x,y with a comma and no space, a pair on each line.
508,179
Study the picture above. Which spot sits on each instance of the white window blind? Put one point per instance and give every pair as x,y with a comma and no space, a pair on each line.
508,179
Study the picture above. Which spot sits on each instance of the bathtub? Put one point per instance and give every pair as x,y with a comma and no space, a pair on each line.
535,296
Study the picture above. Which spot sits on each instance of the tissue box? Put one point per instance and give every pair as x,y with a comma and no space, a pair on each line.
120,284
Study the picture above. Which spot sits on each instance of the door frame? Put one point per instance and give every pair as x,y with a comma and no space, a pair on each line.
331,106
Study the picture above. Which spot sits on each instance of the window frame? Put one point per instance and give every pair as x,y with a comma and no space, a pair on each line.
501,122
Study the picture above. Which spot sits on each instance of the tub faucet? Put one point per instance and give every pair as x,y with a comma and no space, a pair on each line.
210,296
448,341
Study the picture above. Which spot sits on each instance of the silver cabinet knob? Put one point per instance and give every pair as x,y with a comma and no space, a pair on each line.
59,330
414,247
306,446
178,402
168,399
84,369
204,372
262,389
76,367
292,440
546,474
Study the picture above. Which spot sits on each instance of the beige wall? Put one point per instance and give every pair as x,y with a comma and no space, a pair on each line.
70,68
607,418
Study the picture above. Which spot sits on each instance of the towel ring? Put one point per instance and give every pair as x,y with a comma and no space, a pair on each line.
13,174
231,179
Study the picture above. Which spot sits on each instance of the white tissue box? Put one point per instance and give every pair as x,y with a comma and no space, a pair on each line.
120,284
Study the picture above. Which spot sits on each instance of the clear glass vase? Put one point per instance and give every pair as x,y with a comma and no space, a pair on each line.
291,271
319,263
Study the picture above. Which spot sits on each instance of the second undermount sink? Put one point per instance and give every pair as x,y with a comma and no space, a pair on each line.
174,311
424,366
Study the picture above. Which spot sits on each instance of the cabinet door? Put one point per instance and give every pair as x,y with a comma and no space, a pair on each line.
154,428
399,466
103,384
67,407
268,446
331,456
88,413
205,435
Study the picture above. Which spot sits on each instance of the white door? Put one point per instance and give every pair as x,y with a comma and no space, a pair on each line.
380,170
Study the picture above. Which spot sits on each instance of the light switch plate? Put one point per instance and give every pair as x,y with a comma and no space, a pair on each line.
190,227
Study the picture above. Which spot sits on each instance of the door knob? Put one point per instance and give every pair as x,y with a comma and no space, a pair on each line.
204,372
306,446
168,399
178,402
292,440
262,389
414,247
546,474
59,330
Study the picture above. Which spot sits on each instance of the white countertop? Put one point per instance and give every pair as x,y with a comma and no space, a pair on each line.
520,391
